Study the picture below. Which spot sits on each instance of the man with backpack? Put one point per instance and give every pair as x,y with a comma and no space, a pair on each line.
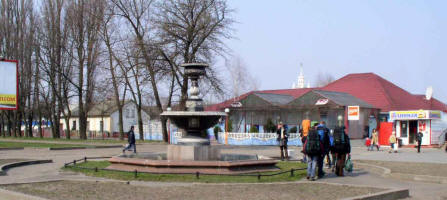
313,148
342,146
323,132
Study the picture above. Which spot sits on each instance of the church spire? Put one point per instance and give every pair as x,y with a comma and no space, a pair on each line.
300,83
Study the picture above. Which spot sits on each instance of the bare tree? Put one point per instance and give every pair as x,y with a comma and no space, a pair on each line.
323,78
241,81
136,14
196,28
107,34
84,20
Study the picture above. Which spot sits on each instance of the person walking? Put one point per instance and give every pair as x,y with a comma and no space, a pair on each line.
131,141
392,141
323,132
374,140
419,136
282,139
331,162
342,147
313,148
305,127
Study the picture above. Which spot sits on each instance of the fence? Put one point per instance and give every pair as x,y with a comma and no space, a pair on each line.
74,164
256,139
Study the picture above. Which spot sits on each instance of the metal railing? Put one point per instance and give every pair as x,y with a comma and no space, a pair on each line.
75,164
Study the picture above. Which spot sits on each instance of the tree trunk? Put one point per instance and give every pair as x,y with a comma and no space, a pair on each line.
82,125
14,122
2,125
39,127
184,95
164,129
67,125
30,124
8,116
140,123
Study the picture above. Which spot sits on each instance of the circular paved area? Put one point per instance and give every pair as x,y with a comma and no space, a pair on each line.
51,171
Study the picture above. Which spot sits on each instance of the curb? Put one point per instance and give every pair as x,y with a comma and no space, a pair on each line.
76,148
7,166
11,195
386,173
12,148
382,171
385,195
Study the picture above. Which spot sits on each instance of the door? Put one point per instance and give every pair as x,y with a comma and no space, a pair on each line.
413,129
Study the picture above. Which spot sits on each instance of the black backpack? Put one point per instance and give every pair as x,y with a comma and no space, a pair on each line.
313,144
339,140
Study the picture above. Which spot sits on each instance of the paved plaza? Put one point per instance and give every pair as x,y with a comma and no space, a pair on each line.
361,176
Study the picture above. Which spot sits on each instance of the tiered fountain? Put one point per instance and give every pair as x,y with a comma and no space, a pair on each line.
193,152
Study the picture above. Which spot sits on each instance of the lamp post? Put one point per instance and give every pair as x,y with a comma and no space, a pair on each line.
340,118
227,110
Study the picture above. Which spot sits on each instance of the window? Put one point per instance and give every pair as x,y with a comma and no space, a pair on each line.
73,126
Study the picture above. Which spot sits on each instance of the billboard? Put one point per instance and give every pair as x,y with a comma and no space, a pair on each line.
8,85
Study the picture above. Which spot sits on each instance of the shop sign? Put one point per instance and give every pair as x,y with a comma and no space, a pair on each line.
408,115
322,102
414,115
236,104
434,114
353,112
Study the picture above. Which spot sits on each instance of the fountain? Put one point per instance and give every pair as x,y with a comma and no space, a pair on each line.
193,152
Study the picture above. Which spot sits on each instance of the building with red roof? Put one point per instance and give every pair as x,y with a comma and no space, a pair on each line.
392,108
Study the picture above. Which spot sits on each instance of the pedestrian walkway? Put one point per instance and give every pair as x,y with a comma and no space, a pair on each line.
51,171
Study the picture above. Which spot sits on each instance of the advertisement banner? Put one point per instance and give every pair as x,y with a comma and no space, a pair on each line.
353,112
8,85
414,115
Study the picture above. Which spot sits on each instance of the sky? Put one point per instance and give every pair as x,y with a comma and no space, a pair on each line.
404,41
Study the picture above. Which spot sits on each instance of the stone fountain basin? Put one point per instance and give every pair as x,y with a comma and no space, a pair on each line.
207,118
157,163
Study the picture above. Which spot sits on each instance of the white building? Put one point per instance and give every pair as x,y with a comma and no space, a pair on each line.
104,117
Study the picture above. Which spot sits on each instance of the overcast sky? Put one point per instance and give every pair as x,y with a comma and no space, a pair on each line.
401,40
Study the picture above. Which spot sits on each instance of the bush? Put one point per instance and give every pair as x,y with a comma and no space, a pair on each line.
254,129
293,130
269,127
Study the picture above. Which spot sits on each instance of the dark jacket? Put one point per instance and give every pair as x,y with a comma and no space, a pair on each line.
348,144
286,134
131,137
419,136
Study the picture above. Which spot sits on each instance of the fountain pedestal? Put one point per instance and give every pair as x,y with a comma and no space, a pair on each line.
189,152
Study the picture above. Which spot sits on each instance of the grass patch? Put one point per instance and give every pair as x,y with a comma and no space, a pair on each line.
4,144
284,166
76,140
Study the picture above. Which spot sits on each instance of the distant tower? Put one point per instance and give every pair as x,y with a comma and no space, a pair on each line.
300,81
308,84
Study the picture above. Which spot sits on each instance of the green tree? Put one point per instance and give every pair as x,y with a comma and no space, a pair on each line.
269,127
254,129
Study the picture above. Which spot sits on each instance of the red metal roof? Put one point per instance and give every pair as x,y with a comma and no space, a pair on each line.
226,104
381,93
368,87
